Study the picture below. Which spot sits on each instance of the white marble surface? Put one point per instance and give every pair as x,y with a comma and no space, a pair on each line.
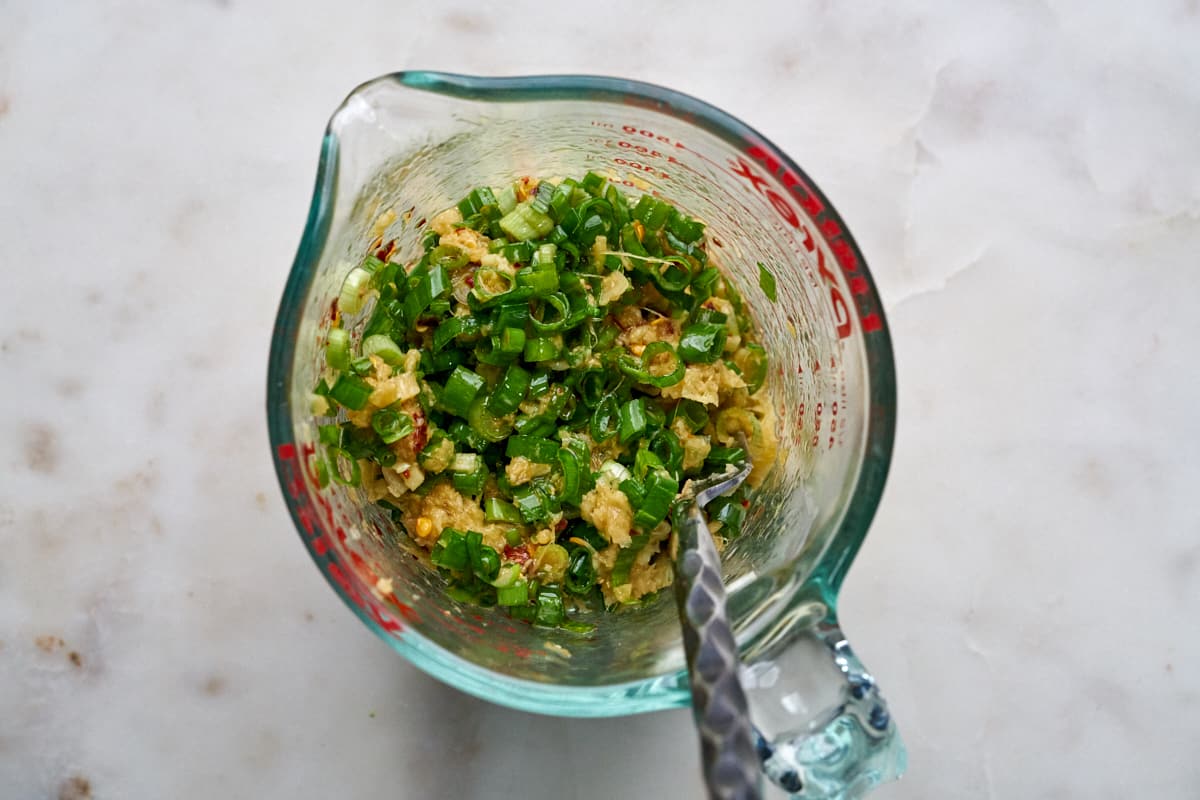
1025,181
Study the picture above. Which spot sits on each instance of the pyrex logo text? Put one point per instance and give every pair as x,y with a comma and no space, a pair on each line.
832,231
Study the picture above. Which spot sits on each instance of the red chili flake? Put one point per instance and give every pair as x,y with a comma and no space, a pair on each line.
516,555
406,473
385,251
420,434
470,281
745,503
561,526
527,188
421,222
333,309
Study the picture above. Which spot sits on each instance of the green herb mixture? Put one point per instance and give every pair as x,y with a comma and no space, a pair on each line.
527,398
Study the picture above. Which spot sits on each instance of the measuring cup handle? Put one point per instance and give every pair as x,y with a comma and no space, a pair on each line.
727,739
824,730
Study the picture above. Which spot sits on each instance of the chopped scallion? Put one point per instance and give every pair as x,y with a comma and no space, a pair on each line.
702,343
383,346
450,551
550,610
632,420
461,388
509,393
351,392
392,426
541,348
354,290
525,222
337,348
546,333
515,595
344,468
542,451
497,509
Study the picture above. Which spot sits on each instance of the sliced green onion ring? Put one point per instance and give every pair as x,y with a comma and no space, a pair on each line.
605,420
562,308
448,256
382,345
337,348
354,291
337,456
491,283
643,370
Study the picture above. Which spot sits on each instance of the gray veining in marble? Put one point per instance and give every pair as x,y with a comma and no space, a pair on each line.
1024,179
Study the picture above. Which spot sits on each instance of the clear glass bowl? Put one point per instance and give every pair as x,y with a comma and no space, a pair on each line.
405,146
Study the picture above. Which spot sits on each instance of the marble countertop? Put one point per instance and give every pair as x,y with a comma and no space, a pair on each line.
1025,182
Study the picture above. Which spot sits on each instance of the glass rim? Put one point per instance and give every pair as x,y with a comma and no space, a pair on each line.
647,694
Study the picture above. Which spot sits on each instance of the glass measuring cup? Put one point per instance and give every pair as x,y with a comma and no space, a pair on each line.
405,146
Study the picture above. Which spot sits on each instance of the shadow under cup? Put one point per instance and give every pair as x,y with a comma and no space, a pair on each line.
405,147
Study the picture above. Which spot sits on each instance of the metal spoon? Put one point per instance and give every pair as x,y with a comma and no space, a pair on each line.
727,752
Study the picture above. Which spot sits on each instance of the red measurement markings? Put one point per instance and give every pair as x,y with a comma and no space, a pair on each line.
517,650
811,204
650,153
624,162
316,516
799,192
633,130
824,416
643,150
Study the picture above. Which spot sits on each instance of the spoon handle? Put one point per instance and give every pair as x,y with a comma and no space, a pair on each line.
727,751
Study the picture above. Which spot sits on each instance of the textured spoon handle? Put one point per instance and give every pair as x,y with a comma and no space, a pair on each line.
727,751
